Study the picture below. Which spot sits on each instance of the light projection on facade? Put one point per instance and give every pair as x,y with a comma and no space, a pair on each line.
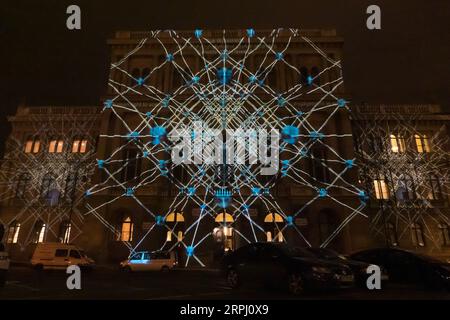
46,169
405,164
226,134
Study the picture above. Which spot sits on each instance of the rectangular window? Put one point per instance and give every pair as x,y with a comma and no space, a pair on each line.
397,144
13,233
61,253
59,147
381,189
83,146
28,146
36,146
75,146
422,143
52,146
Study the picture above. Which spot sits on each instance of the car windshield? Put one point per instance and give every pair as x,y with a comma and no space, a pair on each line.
327,254
296,252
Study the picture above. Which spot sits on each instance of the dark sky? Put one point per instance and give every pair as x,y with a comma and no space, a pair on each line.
44,63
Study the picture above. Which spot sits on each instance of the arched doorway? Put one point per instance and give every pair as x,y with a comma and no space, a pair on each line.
273,225
224,233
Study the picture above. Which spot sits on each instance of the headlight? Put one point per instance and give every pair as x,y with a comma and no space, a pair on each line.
321,270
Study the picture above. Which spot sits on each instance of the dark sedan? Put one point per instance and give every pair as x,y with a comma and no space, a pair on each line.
359,268
408,267
275,263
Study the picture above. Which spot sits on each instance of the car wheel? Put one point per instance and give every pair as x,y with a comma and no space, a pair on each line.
233,279
295,284
165,269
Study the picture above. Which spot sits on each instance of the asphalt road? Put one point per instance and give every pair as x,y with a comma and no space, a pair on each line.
105,283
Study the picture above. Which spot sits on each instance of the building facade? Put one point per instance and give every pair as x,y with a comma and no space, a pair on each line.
52,161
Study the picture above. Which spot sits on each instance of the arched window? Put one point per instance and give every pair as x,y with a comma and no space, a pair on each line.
125,230
13,232
435,188
381,189
64,231
71,185
56,145
422,143
269,236
132,161
417,235
405,188
39,232
32,145
318,162
22,183
397,143
392,234
48,184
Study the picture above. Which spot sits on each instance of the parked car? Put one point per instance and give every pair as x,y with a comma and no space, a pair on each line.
4,265
359,268
150,261
295,269
53,255
408,267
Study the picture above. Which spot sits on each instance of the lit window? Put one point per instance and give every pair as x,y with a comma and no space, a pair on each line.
56,146
28,146
280,236
169,236
64,235
397,143
180,236
32,145
445,234
52,146
75,145
126,231
422,143
381,189
269,236
39,232
13,232
83,146
417,234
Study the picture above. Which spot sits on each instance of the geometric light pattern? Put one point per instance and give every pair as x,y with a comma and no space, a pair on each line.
44,179
407,171
226,91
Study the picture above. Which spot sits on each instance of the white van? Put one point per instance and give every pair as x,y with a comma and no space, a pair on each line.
150,261
54,255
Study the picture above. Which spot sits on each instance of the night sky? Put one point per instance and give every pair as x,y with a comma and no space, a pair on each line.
43,63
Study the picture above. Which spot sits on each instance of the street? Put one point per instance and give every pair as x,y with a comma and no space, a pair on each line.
108,283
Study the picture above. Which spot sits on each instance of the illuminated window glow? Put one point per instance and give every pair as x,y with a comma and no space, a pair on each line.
381,189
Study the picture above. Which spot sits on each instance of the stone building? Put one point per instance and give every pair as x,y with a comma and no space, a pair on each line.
50,163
